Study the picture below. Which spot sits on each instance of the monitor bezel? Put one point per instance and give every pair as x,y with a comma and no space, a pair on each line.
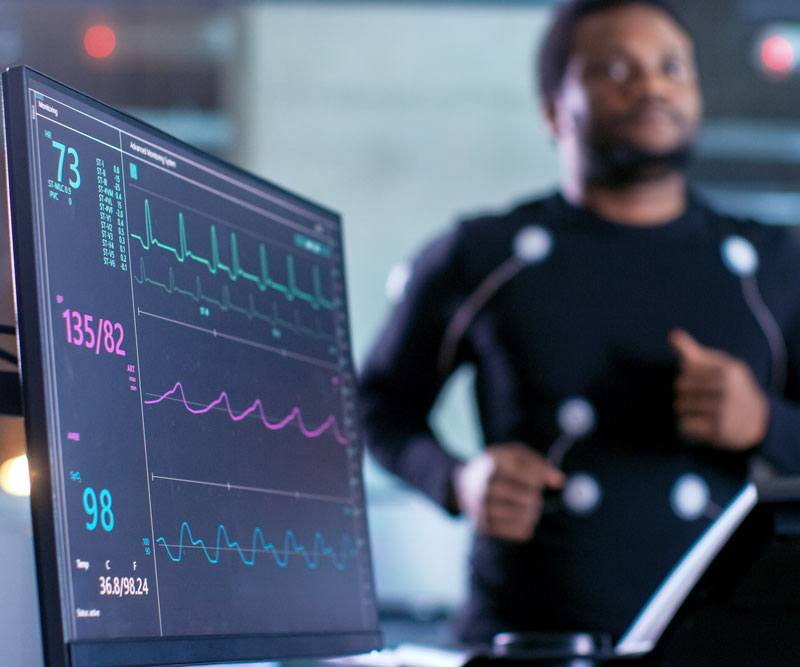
26,276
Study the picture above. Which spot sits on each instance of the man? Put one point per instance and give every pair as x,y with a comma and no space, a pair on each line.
633,349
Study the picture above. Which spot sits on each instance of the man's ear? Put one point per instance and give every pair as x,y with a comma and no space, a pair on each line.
550,114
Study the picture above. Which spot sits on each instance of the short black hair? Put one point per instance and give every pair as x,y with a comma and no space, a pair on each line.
557,45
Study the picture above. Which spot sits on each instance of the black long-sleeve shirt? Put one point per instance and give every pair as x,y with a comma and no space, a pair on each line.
551,303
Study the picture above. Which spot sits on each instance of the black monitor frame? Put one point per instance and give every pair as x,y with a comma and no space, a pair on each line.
59,651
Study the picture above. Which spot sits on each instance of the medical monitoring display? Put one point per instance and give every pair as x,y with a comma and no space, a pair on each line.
188,391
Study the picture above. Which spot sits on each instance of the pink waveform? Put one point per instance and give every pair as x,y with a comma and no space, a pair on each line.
329,423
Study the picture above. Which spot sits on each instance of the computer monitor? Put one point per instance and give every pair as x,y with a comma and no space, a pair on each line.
188,393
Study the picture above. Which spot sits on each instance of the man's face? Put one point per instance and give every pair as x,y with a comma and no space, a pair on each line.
630,97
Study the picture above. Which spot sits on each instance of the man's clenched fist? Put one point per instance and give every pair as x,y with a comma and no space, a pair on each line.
501,490
717,398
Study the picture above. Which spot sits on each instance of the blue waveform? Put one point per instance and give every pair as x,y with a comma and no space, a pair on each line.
312,557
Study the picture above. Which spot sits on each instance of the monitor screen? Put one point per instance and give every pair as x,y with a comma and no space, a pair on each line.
188,392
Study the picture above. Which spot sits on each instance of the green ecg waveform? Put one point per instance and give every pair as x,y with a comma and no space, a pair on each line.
234,270
225,304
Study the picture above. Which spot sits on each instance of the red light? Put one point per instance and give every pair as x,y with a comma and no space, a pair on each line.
99,41
777,53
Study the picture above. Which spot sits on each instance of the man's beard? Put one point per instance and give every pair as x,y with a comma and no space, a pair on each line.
620,164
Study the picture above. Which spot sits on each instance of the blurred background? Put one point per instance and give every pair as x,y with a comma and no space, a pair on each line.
402,116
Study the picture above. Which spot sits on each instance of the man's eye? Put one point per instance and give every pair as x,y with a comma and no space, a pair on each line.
618,71
675,68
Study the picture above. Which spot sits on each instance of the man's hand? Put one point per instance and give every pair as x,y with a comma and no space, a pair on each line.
501,490
717,399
